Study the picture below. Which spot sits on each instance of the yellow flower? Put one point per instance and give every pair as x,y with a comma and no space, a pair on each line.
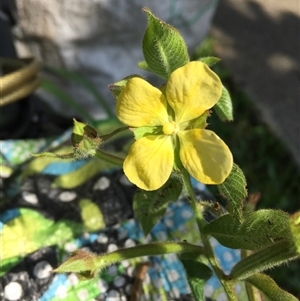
173,118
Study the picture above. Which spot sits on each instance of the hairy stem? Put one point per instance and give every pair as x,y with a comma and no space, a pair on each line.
160,248
228,285
110,158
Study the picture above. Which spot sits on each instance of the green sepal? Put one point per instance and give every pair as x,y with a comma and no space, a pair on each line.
223,107
295,230
234,190
80,261
259,230
197,123
80,130
163,47
117,87
269,288
144,66
85,141
143,131
197,274
209,60
150,206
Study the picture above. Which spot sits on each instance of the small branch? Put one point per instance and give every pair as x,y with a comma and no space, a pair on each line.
141,271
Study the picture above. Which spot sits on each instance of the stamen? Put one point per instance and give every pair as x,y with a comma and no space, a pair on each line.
169,128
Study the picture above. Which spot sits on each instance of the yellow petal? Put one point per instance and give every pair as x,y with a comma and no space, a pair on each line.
205,156
141,104
191,90
150,161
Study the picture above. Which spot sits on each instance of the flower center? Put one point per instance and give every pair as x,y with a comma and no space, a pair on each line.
169,128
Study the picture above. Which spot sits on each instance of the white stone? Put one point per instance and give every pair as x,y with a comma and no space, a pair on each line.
102,238
129,243
112,247
42,269
30,197
119,281
70,247
67,196
102,184
13,291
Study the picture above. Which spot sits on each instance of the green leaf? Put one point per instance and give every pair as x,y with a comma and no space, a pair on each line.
223,107
234,190
260,229
209,60
163,47
150,206
267,225
269,288
225,230
197,275
295,229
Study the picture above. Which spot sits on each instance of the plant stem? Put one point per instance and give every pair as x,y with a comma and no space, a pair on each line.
110,158
249,288
227,285
271,256
160,248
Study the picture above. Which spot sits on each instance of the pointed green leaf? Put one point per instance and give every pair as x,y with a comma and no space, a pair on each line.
225,230
209,60
234,190
267,226
163,47
223,107
260,229
197,275
269,288
150,206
